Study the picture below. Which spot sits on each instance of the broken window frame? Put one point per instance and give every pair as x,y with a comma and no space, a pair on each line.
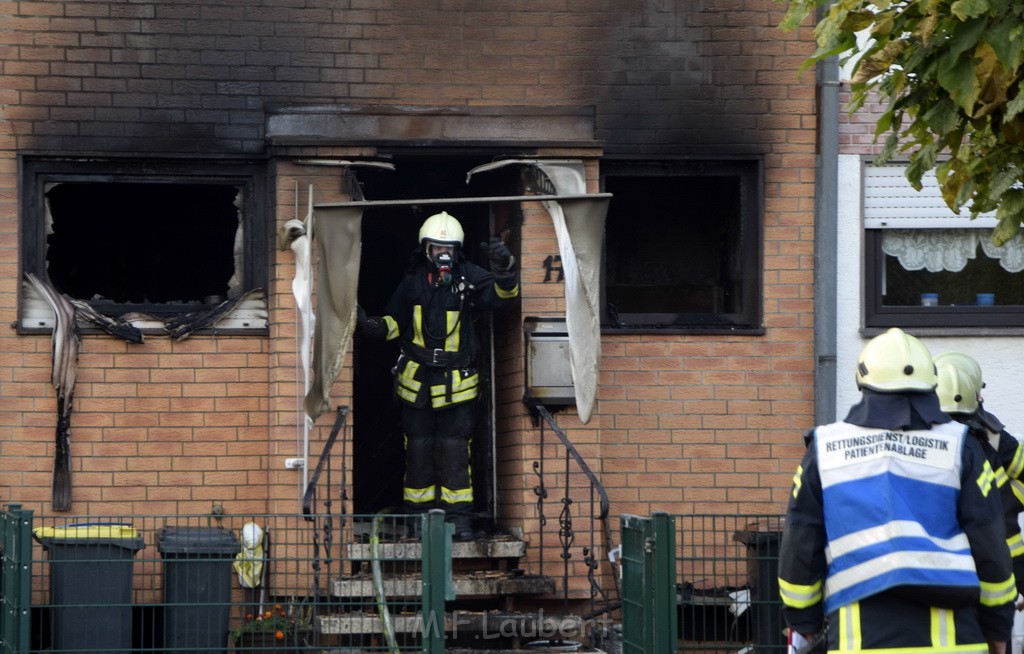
749,171
40,173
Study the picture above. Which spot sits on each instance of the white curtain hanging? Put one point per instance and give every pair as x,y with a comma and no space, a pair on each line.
936,250
339,236
579,227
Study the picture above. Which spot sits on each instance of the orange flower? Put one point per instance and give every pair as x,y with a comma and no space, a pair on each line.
283,622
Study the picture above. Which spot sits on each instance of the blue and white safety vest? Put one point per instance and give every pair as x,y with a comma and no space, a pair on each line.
906,532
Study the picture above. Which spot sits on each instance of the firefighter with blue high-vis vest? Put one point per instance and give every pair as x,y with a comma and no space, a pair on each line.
893,537
431,313
960,384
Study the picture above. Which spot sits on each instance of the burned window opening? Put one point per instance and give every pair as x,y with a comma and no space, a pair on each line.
682,245
143,241
124,243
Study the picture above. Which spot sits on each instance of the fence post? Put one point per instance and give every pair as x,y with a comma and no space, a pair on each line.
437,572
649,614
663,560
15,579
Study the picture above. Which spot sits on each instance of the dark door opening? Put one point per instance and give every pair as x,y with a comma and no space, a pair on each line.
389,236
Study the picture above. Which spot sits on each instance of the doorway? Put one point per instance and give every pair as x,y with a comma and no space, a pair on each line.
389,237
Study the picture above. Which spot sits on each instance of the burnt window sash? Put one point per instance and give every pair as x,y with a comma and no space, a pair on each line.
39,174
747,251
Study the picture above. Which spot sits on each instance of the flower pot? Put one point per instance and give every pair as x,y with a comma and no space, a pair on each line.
266,641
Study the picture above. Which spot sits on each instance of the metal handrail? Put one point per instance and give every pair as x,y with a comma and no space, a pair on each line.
324,463
566,533
310,494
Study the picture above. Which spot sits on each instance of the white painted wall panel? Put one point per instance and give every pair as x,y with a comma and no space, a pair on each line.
1001,357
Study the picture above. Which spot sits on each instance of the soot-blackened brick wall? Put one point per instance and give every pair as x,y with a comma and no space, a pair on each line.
150,77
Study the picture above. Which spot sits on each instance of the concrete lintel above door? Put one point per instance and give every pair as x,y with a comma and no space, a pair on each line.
490,126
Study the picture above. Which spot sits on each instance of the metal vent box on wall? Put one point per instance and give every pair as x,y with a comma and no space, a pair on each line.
548,371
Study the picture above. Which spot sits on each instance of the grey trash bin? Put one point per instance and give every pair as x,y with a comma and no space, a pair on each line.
90,584
197,587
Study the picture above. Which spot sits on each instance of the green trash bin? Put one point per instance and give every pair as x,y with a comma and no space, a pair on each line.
90,584
197,587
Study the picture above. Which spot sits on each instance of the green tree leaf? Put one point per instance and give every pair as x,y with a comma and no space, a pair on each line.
1005,39
964,9
1009,214
956,75
949,76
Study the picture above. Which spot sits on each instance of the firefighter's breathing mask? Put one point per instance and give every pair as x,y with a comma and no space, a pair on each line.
444,268
441,257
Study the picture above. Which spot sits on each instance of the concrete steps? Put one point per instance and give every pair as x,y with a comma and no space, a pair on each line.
473,585
486,581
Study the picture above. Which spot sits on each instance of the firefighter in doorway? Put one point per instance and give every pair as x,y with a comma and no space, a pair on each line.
959,389
893,536
432,314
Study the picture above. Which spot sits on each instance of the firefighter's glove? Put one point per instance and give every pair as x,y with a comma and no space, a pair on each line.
500,256
371,327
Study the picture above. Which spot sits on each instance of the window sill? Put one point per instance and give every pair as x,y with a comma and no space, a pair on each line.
869,332
696,330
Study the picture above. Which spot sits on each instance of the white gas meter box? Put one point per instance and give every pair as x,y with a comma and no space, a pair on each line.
548,371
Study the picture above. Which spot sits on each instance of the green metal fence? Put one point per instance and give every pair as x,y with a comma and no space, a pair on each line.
223,583
195,584
727,584
718,591
15,579
649,623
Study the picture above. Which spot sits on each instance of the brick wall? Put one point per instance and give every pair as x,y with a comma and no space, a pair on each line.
684,422
857,130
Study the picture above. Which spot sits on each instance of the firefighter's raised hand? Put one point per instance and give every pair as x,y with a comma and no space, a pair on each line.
374,328
499,255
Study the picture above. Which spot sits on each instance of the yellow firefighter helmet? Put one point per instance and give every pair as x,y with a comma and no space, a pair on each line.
896,362
956,390
965,363
442,228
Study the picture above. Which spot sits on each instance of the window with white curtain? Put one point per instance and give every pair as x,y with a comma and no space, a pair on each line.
928,267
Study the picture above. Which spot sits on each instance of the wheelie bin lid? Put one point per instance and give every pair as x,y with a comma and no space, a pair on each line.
90,533
764,532
196,540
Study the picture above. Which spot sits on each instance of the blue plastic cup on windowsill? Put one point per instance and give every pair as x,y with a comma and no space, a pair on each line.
985,299
929,299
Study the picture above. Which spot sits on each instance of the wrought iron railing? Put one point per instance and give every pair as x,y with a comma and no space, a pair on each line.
597,537
323,519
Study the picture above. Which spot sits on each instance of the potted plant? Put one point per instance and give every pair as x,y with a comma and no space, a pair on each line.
275,630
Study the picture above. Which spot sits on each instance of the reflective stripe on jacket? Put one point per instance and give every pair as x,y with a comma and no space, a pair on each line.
434,324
